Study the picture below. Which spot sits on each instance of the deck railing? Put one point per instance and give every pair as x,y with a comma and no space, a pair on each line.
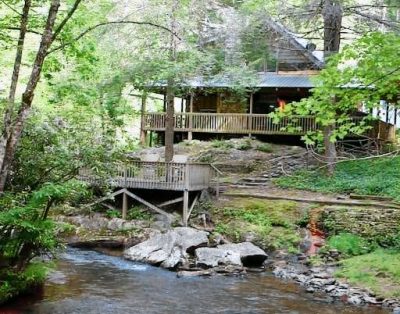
233,123
154,175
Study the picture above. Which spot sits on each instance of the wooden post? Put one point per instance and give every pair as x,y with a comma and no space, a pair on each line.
185,213
190,133
250,125
124,205
143,132
185,207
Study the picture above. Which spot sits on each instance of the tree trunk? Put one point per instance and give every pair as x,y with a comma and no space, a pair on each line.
143,109
332,14
14,80
170,110
7,156
330,149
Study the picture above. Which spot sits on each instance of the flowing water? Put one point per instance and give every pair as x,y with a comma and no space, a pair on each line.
91,282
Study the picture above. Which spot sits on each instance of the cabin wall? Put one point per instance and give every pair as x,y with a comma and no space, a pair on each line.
229,103
265,100
204,103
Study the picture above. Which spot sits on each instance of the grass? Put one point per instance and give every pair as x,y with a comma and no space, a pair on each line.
272,224
379,176
378,271
349,244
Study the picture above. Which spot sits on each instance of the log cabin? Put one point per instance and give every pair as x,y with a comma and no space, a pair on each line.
211,107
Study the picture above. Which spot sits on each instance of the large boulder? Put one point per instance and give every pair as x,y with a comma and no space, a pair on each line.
213,257
168,249
250,254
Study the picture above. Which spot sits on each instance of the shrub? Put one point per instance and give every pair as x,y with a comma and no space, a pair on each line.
245,145
265,148
350,244
224,145
112,213
136,213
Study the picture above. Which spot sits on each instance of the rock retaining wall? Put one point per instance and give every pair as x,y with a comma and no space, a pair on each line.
364,221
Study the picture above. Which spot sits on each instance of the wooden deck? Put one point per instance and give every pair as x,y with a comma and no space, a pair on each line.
155,176
229,123
257,124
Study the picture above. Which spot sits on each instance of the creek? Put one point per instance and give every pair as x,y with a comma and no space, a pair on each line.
92,282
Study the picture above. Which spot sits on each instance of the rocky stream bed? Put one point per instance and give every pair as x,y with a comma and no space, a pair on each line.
191,252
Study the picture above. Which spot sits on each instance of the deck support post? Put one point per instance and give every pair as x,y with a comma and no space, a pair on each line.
190,133
143,132
185,214
250,121
124,205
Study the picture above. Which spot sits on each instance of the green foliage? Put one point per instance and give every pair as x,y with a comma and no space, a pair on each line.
137,213
265,148
378,271
26,231
364,72
349,244
14,283
112,213
273,224
377,176
221,144
245,145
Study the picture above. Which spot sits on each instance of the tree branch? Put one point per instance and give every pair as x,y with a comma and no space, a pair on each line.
10,7
111,23
66,19
19,29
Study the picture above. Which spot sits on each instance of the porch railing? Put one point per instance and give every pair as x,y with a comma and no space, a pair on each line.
234,123
154,175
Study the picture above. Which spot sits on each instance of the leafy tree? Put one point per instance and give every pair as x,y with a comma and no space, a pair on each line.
362,74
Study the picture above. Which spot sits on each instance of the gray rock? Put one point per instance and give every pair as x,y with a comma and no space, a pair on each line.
212,257
322,275
330,288
396,310
250,254
372,300
355,300
310,290
168,249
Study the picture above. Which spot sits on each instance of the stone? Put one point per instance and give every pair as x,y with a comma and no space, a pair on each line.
213,257
168,249
372,300
250,254
355,300
322,275
396,310
330,288
310,290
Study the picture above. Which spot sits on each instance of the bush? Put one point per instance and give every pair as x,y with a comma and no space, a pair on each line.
245,145
136,213
13,284
350,244
224,145
265,148
113,213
